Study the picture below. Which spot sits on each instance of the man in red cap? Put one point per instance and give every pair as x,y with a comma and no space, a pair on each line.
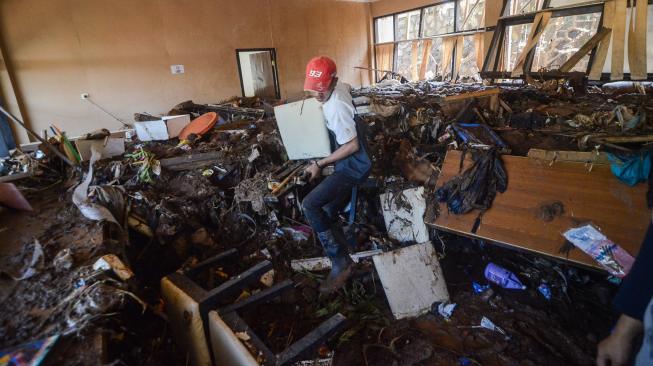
352,166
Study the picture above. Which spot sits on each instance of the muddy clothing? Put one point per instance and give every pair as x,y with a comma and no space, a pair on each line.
637,287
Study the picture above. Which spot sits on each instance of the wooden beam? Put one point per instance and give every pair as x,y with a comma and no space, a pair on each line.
585,49
475,94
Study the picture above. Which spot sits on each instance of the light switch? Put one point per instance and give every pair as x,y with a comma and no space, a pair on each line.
177,69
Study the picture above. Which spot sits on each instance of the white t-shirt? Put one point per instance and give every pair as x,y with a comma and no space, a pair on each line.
339,114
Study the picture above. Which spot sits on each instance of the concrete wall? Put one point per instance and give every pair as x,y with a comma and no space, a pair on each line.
120,52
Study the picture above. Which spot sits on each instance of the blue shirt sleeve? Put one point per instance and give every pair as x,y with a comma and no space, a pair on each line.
637,287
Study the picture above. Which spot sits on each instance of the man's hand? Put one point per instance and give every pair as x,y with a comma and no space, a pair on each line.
617,349
313,170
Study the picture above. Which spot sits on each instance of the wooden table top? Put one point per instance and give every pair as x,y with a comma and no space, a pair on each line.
617,209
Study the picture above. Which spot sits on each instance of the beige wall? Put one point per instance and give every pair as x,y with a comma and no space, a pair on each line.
120,52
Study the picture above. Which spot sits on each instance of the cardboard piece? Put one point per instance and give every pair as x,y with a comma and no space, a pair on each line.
112,146
412,279
303,129
403,214
164,129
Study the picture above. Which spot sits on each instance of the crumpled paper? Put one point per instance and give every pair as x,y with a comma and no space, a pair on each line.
90,210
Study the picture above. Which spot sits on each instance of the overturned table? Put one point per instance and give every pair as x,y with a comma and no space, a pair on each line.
595,196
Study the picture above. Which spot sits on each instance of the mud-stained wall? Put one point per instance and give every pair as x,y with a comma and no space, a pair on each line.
120,52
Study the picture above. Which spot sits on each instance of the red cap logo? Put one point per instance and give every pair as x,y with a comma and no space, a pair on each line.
319,73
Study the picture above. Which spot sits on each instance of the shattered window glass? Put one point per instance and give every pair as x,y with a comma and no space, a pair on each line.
514,42
468,67
435,69
562,37
407,26
384,28
516,7
438,19
470,14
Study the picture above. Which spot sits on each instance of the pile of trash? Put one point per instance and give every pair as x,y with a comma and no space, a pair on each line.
209,178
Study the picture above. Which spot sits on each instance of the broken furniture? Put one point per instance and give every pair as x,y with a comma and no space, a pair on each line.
594,196
412,279
214,336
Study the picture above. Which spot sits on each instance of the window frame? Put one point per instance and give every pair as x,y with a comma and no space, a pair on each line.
420,35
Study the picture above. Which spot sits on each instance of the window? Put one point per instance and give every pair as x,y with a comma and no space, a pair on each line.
384,29
469,67
438,19
516,7
470,14
407,25
515,40
561,38
421,44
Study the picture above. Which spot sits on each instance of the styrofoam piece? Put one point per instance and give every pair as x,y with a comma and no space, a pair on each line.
164,129
113,146
412,279
403,214
227,348
303,129
324,263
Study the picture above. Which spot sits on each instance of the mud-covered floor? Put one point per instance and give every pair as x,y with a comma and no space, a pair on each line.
563,330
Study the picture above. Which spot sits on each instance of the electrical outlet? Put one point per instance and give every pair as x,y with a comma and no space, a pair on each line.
85,96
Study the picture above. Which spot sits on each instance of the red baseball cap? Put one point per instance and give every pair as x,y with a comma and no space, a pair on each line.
319,73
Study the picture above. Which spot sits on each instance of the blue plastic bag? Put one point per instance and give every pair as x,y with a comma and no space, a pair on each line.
631,169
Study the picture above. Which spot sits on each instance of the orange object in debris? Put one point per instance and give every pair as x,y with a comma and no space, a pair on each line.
199,125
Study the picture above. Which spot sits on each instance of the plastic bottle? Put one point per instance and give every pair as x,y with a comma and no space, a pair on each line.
502,277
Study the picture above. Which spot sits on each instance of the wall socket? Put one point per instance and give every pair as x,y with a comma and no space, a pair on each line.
85,96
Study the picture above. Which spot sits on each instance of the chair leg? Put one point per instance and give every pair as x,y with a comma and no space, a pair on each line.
352,205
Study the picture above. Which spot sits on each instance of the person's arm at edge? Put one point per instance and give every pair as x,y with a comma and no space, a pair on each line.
617,349
342,152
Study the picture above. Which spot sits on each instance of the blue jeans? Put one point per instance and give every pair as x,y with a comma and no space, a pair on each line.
322,205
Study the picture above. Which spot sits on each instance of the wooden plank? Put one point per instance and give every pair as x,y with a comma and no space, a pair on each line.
475,94
618,40
191,161
551,156
586,48
618,210
637,40
602,51
14,177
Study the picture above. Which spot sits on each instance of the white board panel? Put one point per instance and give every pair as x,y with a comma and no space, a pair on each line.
303,129
403,214
412,279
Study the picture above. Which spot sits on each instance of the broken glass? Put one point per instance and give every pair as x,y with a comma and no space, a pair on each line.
515,40
562,37
470,14
438,19
407,26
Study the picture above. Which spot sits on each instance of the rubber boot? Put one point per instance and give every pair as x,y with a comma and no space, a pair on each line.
341,263
344,236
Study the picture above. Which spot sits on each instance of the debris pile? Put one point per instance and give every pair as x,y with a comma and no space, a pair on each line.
172,204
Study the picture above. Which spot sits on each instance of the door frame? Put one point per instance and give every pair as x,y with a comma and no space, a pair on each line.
275,73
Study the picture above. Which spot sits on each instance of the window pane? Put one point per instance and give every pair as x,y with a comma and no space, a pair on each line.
468,67
515,7
435,69
405,59
515,40
384,29
561,38
470,14
438,20
407,25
